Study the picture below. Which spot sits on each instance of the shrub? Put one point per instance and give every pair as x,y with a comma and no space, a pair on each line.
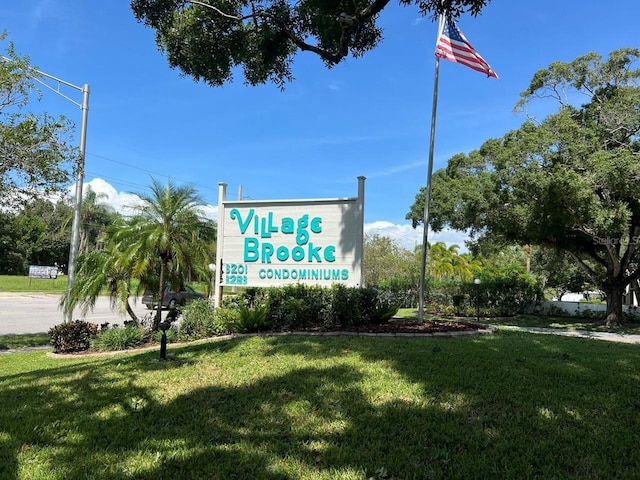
255,319
349,306
384,313
118,338
292,306
228,320
198,321
172,335
399,291
74,336
499,294
300,306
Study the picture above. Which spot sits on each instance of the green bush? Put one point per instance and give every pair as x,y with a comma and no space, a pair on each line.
384,313
228,319
199,321
74,336
300,306
119,338
398,291
292,306
500,293
172,335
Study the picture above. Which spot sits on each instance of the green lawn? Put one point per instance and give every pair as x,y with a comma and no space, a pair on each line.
23,340
502,406
13,283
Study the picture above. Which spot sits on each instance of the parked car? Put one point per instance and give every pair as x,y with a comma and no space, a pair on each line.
171,299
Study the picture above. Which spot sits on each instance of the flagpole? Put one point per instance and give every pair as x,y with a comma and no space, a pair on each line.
427,193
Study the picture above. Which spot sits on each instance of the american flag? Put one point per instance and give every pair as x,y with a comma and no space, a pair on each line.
452,45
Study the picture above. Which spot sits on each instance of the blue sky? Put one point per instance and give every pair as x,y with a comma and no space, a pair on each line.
368,116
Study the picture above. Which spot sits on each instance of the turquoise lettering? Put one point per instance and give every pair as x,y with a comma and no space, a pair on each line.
314,253
316,225
271,228
265,233
282,253
302,237
256,225
251,250
303,221
287,225
330,253
234,214
297,253
267,251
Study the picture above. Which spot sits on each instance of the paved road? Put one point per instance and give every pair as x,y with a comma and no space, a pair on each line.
38,312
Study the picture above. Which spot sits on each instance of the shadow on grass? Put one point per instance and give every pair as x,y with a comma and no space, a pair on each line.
505,406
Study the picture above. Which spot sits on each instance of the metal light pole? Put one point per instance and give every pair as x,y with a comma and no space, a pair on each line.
477,282
77,208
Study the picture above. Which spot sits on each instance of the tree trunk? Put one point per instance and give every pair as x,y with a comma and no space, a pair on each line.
132,314
614,306
158,318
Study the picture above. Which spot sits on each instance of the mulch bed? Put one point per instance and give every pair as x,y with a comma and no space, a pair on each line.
394,326
402,325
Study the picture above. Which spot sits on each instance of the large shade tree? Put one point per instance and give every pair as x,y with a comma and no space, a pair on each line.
570,182
43,234
209,39
385,258
35,155
168,234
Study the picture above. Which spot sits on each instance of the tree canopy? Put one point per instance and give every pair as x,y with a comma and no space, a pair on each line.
568,182
208,39
35,156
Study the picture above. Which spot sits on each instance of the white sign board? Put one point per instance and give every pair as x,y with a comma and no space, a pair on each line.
39,271
275,243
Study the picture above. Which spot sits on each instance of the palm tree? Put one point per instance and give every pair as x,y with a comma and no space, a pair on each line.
97,269
168,231
96,217
446,263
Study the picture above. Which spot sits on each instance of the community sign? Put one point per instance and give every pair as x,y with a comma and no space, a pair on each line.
40,271
279,242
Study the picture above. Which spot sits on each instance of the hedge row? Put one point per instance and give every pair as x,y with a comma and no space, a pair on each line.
293,307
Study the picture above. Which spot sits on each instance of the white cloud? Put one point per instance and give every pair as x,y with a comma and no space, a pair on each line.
405,235
120,201
410,237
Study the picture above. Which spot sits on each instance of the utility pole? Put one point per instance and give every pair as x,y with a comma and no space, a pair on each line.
77,206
